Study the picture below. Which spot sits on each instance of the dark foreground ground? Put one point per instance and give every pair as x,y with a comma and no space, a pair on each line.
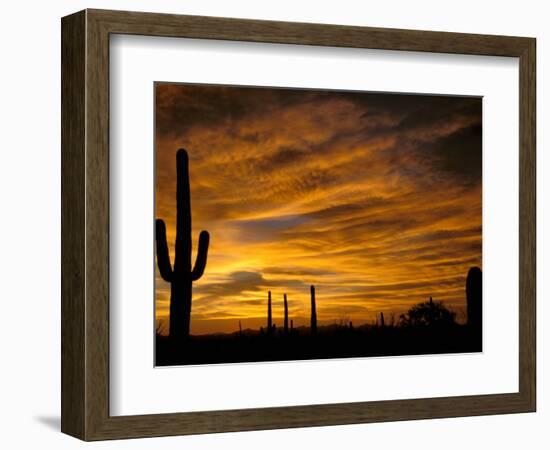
330,342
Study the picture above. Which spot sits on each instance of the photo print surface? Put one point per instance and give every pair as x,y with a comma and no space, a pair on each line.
299,224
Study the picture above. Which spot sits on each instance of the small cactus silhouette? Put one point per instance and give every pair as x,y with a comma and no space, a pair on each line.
181,276
291,326
269,318
313,311
382,323
473,296
286,314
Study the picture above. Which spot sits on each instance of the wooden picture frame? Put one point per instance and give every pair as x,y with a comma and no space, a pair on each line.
85,224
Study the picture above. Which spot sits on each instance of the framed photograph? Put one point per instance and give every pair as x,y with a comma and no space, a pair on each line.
270,224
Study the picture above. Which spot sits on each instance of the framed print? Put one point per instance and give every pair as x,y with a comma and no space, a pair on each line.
268,224
306,189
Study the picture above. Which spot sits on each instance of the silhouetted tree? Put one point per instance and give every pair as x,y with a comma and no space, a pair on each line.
181,276
428,314
313,311
473,297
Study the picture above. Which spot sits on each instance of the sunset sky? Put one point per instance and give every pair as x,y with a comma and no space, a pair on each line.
373,198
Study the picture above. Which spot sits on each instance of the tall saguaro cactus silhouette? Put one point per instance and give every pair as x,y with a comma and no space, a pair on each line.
313,311
473,297
286,314
181,276
269,318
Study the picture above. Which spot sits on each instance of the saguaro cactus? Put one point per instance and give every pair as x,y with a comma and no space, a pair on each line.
181,276
473,296
313,311
269,319
382,323
286,314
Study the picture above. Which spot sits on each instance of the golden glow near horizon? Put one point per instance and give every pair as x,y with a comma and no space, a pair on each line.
373,198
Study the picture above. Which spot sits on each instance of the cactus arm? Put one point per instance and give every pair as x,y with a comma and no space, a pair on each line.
202,255
163,256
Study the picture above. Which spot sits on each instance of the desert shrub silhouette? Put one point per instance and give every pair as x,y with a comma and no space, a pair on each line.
181,276
428,314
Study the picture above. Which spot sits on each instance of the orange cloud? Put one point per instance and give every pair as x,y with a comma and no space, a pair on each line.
374,198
